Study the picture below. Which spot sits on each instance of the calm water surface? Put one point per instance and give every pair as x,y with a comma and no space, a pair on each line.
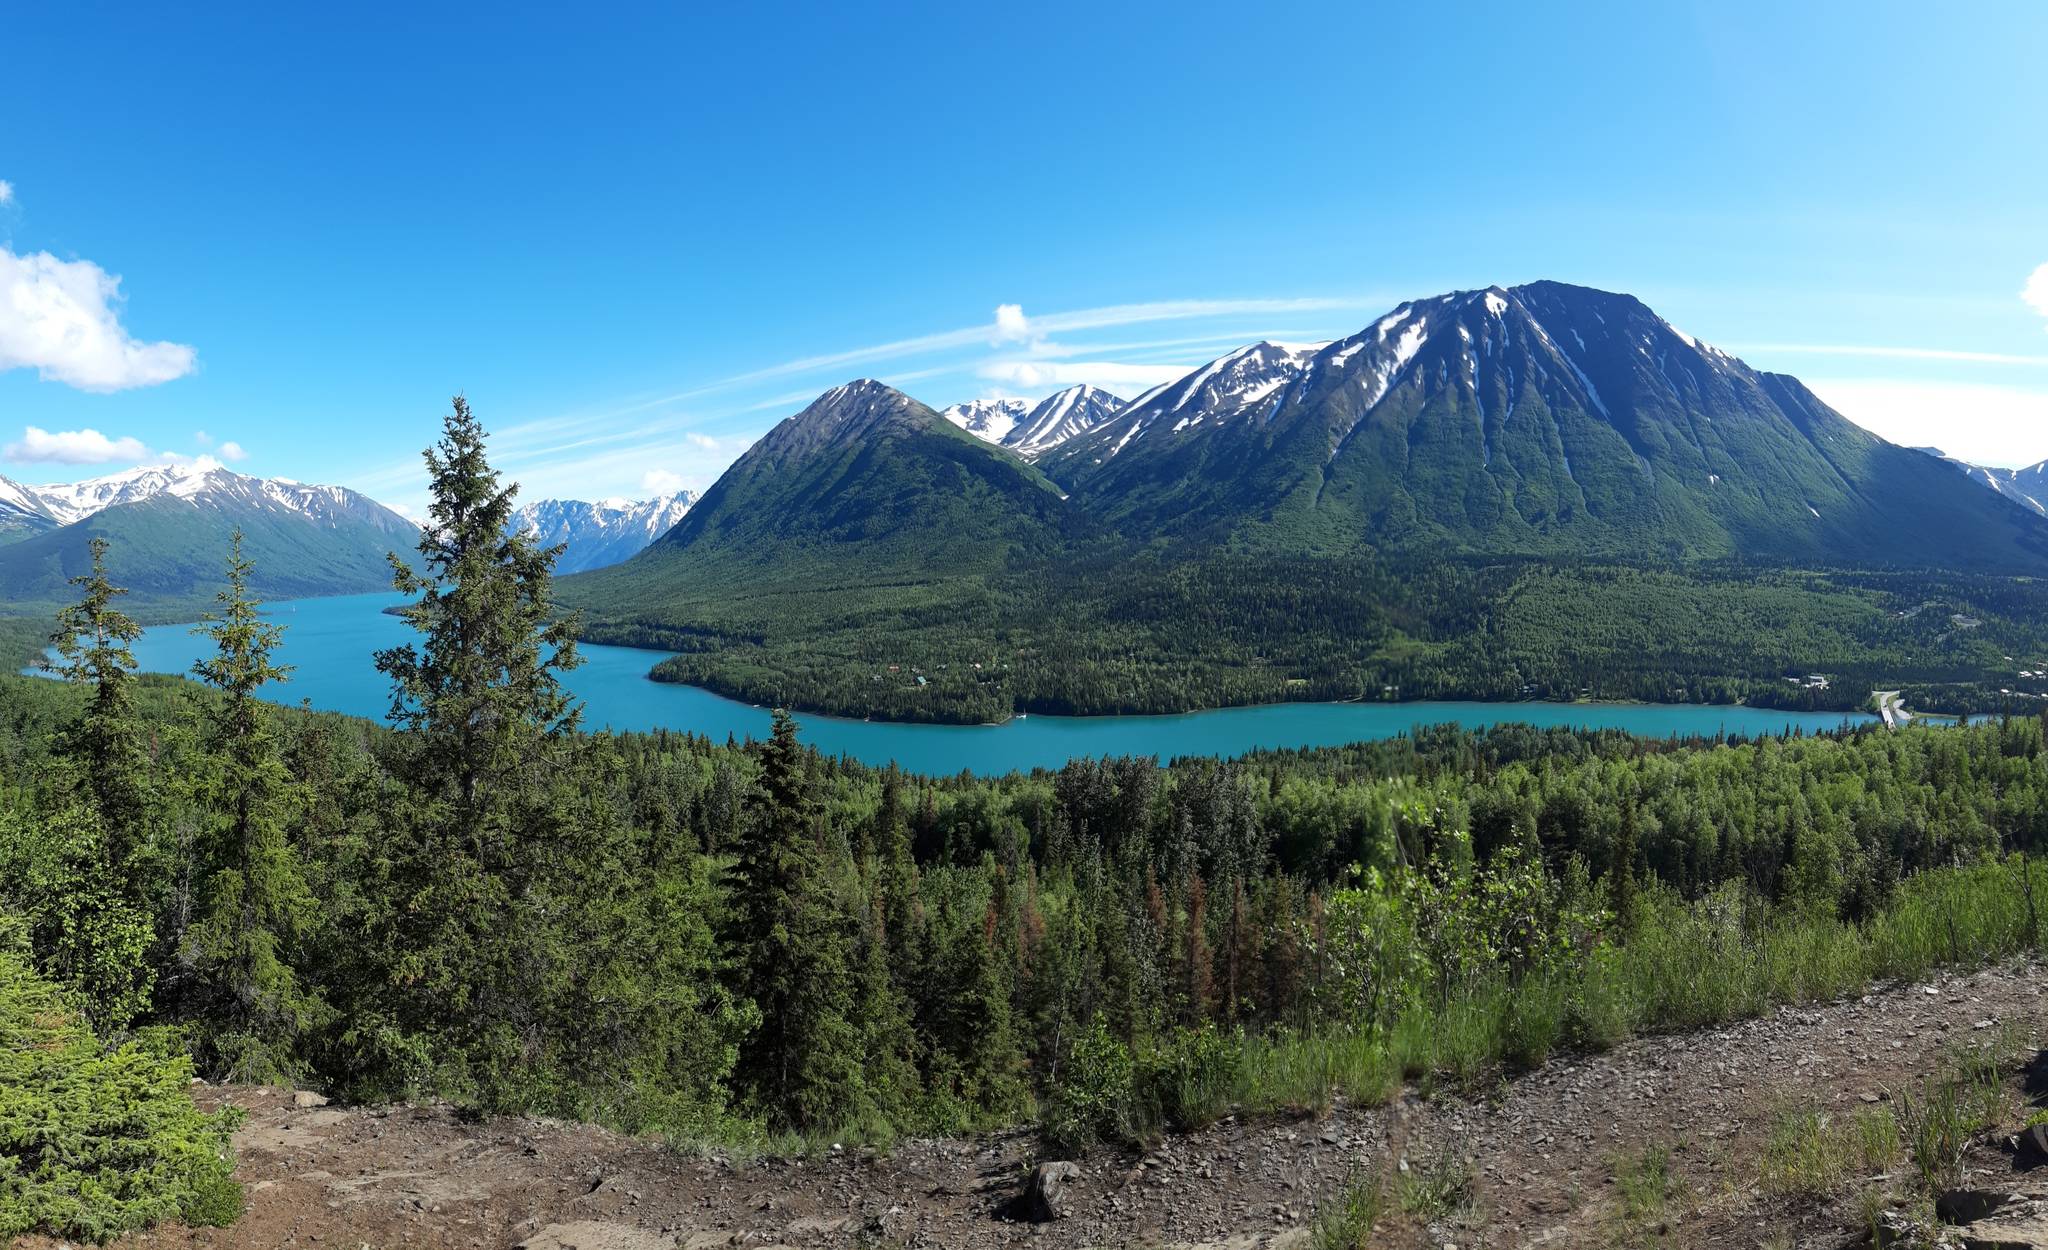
329,642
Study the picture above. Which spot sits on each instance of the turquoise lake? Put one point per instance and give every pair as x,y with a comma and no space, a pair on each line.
329,642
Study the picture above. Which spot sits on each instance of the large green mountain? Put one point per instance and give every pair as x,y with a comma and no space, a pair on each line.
865,486
167,530
1544,420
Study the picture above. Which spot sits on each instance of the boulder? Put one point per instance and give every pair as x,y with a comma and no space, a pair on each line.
1045,1194
2033,1144
2030,1233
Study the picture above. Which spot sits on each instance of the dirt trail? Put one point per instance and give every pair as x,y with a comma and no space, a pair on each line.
1542,1152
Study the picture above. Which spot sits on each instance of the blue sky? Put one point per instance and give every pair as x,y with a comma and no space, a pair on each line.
635,238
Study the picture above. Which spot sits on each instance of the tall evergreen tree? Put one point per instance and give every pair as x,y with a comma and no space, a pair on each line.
105,744
486,748
481,695
89,885
254,895
801,1069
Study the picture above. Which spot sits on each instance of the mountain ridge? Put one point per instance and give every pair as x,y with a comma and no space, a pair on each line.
602,532
168,526
1543,419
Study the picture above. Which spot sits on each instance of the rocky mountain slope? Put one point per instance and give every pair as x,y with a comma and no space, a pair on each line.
168,527
601,533
1542,419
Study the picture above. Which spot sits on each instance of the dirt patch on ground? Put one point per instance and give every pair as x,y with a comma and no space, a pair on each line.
1541,1161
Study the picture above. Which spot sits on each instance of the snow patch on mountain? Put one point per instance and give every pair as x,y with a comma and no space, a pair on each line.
605,532
201,483
1061,416
990,420
2027,487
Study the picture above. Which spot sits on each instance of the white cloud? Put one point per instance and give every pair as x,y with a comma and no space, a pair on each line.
232,451
973,336
705,441
1985,424
661,482
6,191
61,318
202,438
2036,291
1043,375
40,446
1012,326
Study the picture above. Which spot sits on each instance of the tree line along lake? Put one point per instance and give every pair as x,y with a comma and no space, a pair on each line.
329,643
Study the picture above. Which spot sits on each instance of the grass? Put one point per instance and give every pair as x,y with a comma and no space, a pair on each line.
1347,1221
1646,1183
1437,1190
1968,1094
1645,1186
1807,1155
1689,966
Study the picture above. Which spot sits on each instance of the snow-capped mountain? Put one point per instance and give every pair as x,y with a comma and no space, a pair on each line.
203,483
1247,381
167,529
1031,429
1062,416
990,420
1542,418
601,533
2028,486
22,511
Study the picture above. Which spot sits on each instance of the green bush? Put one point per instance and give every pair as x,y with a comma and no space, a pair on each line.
95,1143
1093,1097
1193,1076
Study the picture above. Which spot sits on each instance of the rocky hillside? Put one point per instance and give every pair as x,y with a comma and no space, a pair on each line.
1714,1139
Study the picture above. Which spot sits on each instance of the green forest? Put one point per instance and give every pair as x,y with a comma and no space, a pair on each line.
757,947
1171,629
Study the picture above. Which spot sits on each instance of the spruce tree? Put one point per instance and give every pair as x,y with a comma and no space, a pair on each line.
485,750
801,1068
481,695
88,883
105,744
253,894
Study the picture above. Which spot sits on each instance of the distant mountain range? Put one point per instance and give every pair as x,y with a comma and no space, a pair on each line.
2027,487
1538,420
1032,429
168,529
601,533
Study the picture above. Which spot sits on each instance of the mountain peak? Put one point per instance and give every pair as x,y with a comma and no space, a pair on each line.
850,413
990,420
604,532
1060,416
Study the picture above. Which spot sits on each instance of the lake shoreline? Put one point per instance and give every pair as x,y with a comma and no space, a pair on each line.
330,641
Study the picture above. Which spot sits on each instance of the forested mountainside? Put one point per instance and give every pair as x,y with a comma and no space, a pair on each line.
167,527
